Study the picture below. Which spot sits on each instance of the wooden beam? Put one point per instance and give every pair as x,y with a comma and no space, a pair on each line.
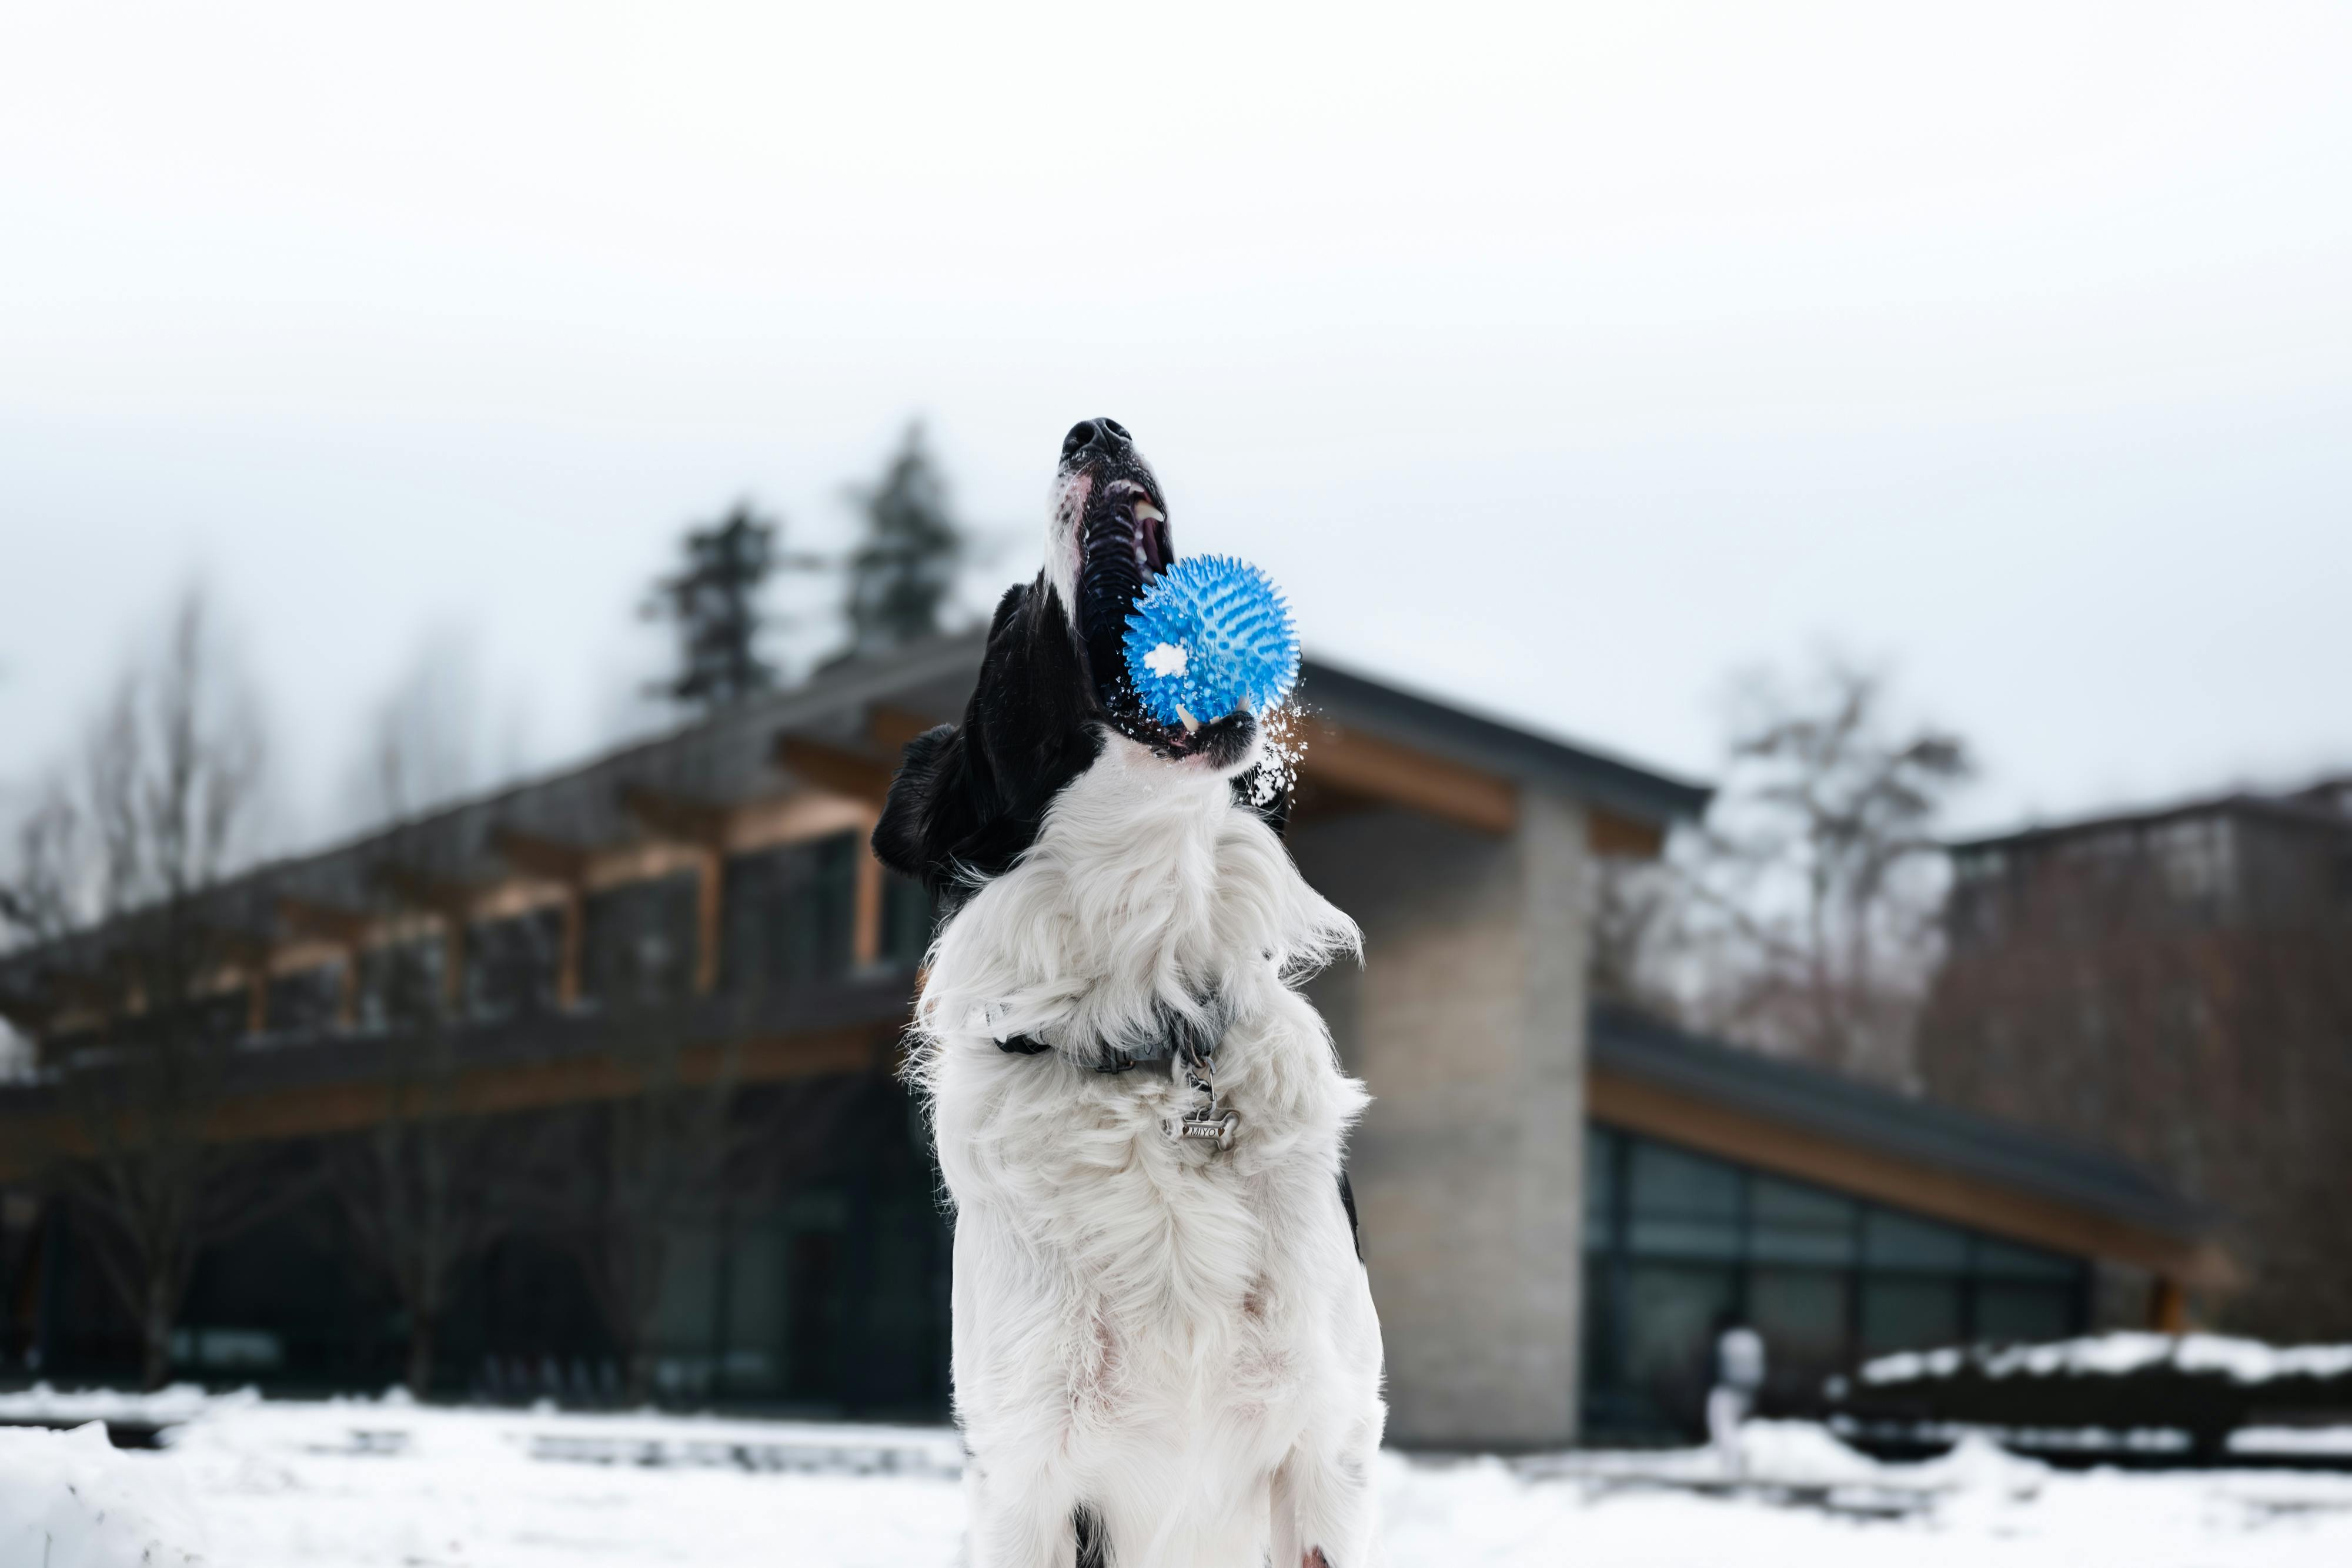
542,857
890,729
833,769
452,901
322,922
709,924
1624,837
795,818
865,910
702,828
345,928
1400,775
567,865
572,939
324,1108
675,816
1644,1107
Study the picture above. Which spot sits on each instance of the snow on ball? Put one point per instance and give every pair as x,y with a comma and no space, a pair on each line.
1212,635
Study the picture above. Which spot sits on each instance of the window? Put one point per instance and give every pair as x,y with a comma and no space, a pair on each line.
1900,1314
1599,1188
511,966
638,946
787,914
305,1002
1800,1312
1674,1239
1799,1224
400,982
2198,859
906,921
1684,1204
1897,1241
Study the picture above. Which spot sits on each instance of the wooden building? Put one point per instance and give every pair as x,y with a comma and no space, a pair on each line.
1557,1198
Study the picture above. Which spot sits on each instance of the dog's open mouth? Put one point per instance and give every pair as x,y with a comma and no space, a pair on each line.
1123,545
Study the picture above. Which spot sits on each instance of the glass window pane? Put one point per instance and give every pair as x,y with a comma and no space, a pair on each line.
1804,1318
906,920
1798,1223
306,1001
513,966
1599,1372
1900,1314
788,914
2006,1311
1800,1312
1684,1204
2015,1262
1901,1241
638,946
1669,1333
1600,1183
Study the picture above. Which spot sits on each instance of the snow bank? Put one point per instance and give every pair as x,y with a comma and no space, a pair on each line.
2316,1442
163,1407
2118,1354
368,1483
69,1500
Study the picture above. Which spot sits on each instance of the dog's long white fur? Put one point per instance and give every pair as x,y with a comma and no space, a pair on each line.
1180,1340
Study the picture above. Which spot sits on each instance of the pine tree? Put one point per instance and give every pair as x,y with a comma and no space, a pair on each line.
714,602
902,572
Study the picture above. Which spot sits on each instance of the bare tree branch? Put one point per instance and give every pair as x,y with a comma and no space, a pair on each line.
1801,917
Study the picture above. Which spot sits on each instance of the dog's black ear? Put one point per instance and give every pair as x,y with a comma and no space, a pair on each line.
929,809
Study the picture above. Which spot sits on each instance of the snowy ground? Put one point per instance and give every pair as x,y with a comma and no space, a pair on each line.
261,1484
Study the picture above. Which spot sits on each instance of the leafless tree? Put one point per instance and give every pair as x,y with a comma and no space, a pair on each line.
1806,917
649,1164
1638,935
421,1186
122,867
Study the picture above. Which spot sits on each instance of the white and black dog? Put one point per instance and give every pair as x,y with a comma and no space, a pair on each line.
1166,1354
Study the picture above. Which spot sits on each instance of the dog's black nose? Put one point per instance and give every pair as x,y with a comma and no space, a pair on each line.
1105,434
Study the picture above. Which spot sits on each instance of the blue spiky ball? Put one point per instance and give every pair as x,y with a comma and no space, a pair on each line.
1212,635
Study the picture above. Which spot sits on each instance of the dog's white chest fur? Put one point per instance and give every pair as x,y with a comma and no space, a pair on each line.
1175,1339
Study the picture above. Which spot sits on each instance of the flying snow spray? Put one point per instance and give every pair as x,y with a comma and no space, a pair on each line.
1212,636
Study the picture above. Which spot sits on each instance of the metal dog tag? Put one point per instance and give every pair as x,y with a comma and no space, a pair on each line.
1218,1130
1209,1123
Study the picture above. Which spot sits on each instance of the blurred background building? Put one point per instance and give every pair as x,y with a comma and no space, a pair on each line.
591,1082
2175,985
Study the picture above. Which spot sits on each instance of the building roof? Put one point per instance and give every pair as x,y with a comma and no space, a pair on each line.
1515,752
1843,1110
2325,804
730,759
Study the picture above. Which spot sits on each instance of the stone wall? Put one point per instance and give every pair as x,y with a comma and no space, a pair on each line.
1468,1023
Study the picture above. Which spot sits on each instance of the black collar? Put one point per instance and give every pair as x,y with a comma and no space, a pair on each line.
1172,1037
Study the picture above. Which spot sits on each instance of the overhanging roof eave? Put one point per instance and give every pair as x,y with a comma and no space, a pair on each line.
1464,736
1839,1109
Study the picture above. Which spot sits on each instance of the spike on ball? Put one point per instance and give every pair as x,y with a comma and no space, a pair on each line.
1212,635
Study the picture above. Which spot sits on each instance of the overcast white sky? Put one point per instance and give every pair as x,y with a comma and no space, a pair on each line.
1561,359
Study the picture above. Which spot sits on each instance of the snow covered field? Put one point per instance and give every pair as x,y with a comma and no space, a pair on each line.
251,1484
